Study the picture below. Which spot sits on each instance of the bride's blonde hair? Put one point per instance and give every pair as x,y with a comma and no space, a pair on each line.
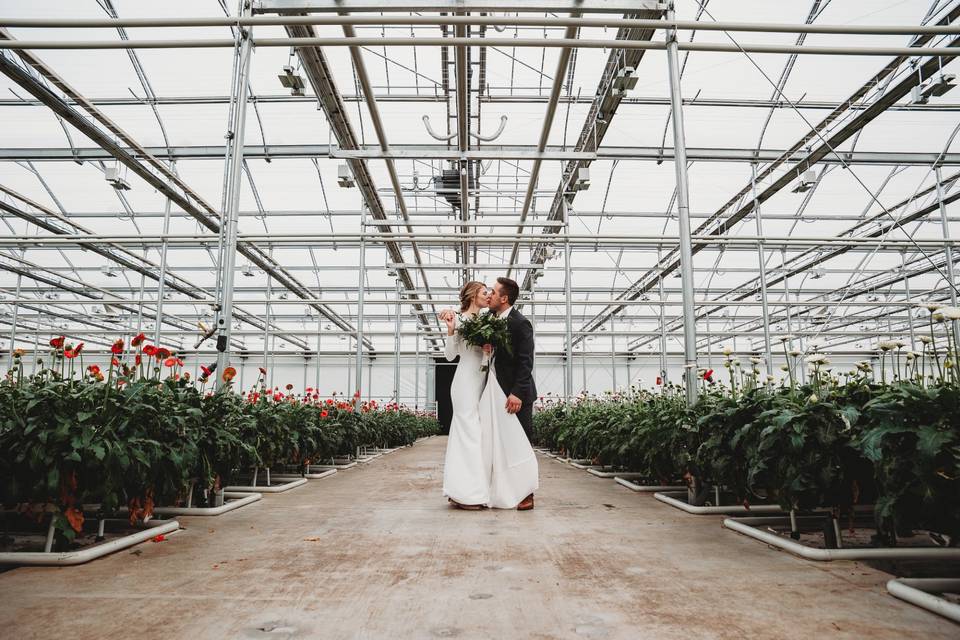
468,292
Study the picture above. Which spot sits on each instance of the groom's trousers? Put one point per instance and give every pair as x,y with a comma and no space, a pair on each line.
525,415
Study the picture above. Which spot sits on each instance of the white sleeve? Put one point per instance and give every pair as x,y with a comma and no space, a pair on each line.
451,347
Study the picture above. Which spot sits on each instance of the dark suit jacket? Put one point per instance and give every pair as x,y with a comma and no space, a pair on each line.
515,372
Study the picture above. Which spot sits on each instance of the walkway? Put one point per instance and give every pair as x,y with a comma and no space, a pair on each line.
374,552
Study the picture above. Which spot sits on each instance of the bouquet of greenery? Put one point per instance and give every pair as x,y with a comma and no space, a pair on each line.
486,328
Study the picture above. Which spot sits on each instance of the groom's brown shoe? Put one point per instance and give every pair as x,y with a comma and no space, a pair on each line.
526,504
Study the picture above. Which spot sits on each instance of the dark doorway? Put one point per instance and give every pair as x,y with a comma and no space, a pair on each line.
443,377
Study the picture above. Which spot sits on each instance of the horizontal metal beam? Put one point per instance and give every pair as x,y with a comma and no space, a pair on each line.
504,152
526,43
285,9
446,239
452,300
491,96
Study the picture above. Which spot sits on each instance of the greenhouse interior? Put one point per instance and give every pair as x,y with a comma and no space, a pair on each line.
479,319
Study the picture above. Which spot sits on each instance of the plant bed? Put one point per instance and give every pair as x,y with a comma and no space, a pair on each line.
28,549
679,500
644,487
939,595
775,531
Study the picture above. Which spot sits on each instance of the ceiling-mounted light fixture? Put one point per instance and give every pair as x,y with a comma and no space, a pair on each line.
116,180
290,79
806,181
345,176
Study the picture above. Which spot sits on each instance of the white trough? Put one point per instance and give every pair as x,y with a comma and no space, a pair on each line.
621,480
80,556
313,468
678,499
921,592
316,475
232,500
747,526
284,485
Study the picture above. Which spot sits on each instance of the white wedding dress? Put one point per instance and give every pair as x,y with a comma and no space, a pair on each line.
489,460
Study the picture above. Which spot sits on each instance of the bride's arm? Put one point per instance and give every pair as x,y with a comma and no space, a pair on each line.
451,343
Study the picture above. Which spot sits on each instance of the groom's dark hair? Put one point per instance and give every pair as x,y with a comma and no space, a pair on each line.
511,288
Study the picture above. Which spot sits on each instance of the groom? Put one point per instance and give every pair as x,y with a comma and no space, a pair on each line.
515,371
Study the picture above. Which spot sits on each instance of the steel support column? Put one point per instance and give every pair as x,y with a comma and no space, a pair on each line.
683,215
396,349
361,288
163,267
947,250
568,306
13,323
228,227
762,266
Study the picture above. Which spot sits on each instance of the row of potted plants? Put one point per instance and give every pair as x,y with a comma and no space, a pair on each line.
832,442
142,432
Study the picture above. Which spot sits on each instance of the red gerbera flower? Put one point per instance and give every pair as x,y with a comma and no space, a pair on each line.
330,401
138,360
138,339
149,350
117,347
659,380
289,387
263,371
77,349
115,362
356,395
708,375
162,353
228,374
170,362
205,372
277,397
69,354
93,369
324,414
57,343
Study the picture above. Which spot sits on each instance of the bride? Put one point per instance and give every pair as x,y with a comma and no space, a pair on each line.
489,461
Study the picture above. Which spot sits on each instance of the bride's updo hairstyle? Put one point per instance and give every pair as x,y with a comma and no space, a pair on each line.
468,292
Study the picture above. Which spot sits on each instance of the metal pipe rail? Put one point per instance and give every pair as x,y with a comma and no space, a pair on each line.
455,301
474,20
536,43
447,238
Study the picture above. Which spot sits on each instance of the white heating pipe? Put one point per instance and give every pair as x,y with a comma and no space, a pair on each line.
919,591
670,499
747,528
70,558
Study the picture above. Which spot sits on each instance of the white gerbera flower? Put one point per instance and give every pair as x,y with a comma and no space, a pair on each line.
755,360
930,306
784,367
950,313
926,339
786,338
796,353
817,358
727,351
938,316
886,345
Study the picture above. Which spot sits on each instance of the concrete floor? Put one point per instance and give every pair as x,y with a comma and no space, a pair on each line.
374,552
